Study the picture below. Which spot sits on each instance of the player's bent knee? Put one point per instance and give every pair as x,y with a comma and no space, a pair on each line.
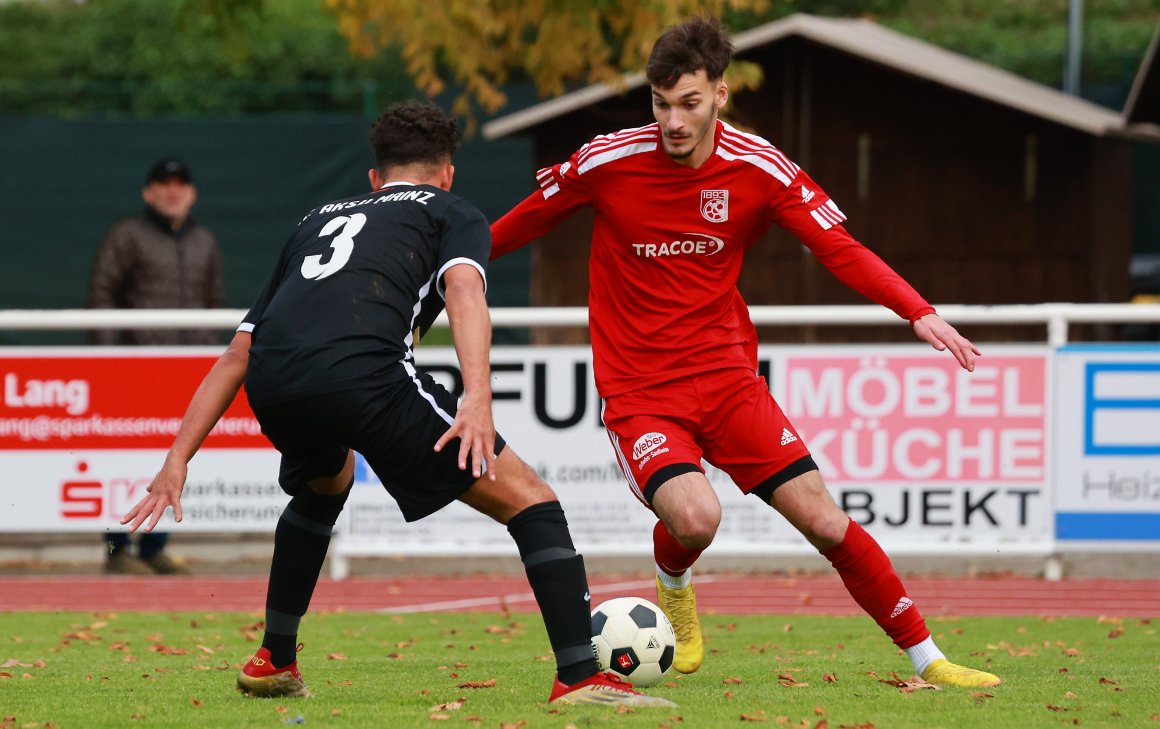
826,529
695,530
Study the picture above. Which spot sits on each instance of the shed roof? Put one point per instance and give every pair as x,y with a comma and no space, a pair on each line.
1143,105
874,43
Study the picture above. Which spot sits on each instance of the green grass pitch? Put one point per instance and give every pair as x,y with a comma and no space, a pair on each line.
490,670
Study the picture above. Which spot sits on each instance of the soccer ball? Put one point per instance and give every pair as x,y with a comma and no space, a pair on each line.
633,639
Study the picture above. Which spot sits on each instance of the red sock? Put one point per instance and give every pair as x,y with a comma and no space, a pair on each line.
868,575
670,555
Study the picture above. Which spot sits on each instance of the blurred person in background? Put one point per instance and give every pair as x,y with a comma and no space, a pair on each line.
161,258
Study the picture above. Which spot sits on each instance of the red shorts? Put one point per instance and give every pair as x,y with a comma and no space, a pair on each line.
728,417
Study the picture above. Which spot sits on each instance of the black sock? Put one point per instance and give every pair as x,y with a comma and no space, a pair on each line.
556,574
283,648
300,543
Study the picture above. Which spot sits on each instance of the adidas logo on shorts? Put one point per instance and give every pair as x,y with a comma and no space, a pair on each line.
787,437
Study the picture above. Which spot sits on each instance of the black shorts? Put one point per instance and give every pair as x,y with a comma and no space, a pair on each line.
393,425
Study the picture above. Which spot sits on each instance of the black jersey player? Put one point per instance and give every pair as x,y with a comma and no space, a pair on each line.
326,356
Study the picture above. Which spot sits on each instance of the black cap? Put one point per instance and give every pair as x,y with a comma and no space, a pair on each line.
167,168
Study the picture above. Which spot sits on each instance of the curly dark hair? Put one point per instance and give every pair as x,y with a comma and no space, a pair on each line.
698,43
410,132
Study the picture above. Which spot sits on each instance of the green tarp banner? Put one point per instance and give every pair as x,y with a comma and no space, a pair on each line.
64,182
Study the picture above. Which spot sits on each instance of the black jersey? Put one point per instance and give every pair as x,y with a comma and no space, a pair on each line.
355,283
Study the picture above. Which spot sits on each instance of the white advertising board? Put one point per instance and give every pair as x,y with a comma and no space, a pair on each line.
925,455
1107,471
83,431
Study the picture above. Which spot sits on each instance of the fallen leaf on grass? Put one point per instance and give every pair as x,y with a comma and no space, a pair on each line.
911,684
1106,681
438,717
335,657
759,716
1116,633
980,695
728,694
864,725
449,706
829,678
732,680
1053,707
794,684
490,683
195,702
205,649
518,725
1070,695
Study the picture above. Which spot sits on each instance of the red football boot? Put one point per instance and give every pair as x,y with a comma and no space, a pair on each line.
259,677
603,688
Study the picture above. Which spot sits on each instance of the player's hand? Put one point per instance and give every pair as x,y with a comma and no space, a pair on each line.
942,336
476,432
164,492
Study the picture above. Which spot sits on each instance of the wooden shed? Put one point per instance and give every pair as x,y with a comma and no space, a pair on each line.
976,185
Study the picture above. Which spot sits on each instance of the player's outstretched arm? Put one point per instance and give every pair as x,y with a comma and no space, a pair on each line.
213,396
942,336
471,331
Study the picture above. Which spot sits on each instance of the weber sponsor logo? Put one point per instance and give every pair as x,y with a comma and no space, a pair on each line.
646,444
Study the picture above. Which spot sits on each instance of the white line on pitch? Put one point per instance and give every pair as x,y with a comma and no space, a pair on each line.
435,607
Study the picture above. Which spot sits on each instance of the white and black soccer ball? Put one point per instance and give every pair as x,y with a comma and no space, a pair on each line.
633,639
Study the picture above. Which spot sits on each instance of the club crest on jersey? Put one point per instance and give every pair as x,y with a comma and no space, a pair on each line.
715,205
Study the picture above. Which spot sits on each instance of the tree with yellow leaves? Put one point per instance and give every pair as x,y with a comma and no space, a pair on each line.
481,44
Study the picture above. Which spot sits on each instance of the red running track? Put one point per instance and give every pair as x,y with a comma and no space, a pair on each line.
722,594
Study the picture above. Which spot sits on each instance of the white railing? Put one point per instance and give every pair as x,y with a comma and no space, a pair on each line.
1055,316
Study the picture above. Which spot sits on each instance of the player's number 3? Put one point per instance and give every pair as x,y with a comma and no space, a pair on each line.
341,246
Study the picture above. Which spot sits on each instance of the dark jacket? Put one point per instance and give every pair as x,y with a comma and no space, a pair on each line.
143,264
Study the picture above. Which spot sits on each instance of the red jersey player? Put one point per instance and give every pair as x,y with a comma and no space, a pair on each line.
677,205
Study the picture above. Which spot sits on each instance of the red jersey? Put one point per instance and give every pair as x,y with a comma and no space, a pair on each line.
668,242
